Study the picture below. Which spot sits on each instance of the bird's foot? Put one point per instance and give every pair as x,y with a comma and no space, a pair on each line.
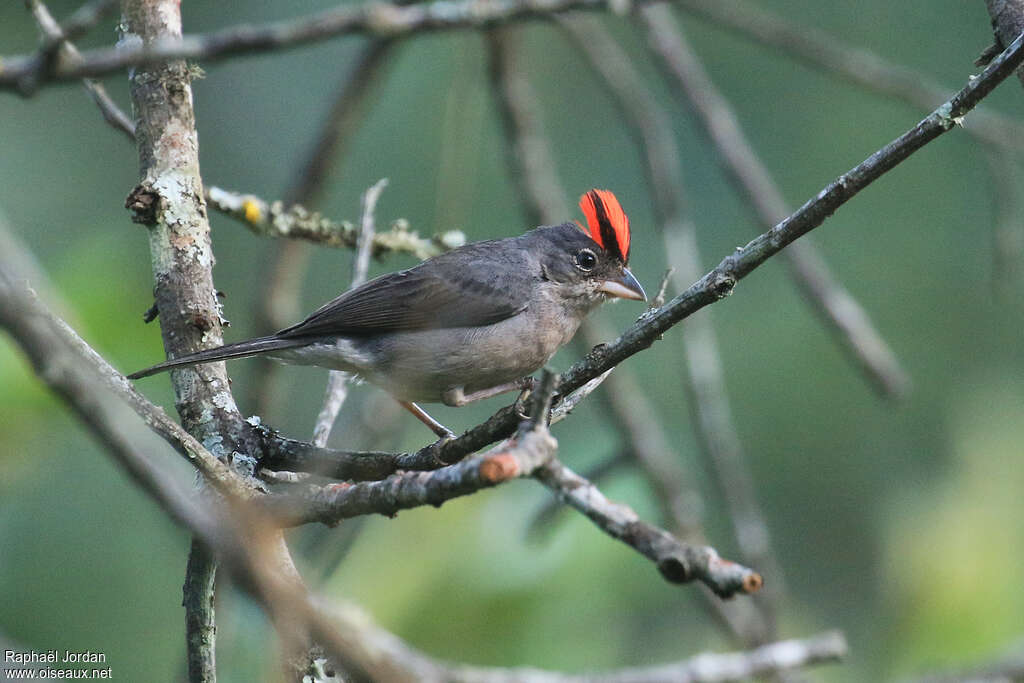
526,386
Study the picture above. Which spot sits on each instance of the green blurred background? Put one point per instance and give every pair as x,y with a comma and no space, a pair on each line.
899,523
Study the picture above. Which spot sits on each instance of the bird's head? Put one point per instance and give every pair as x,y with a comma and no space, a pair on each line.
591,261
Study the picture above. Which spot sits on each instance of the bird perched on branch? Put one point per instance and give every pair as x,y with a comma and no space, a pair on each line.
466,325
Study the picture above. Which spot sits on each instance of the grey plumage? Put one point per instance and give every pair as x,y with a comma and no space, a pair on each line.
479,317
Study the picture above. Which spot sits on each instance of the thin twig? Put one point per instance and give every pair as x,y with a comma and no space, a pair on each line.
338,380
834,304
380,19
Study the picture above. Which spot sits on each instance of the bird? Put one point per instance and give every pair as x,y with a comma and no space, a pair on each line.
465,325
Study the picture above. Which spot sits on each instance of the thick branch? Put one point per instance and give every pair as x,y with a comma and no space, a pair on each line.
332,503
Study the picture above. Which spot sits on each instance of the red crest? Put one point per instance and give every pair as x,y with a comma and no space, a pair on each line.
607,223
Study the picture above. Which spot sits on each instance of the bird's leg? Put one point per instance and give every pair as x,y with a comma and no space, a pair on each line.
457,397
423,417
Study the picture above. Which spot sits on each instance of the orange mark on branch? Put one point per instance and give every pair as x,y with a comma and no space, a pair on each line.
752,582
499,468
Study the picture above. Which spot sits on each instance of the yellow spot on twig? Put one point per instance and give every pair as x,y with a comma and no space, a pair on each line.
252,210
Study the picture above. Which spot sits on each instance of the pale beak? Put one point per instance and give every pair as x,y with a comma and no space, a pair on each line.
626,287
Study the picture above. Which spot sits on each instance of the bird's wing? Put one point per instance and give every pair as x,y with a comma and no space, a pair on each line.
436,294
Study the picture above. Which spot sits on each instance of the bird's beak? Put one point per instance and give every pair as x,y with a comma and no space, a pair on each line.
626,287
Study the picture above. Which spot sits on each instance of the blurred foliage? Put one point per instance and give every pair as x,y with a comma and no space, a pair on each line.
899,523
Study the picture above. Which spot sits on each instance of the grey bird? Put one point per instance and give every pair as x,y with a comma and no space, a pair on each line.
465,325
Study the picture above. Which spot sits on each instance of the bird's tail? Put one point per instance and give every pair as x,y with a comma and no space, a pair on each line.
242,349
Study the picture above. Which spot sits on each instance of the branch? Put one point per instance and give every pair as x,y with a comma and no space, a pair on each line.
861,67
81,378
68,350
198,595
678,562
529,454
169,201
381,19
274,219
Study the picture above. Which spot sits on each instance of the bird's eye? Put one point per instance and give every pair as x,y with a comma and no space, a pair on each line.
586,259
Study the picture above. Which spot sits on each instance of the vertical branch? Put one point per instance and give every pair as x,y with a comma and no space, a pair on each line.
337,380
278,301
836,306
169,202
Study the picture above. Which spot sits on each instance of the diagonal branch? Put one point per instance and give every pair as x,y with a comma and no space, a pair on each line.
678,562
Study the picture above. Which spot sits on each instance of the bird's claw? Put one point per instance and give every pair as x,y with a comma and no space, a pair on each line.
529,384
